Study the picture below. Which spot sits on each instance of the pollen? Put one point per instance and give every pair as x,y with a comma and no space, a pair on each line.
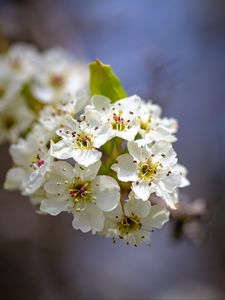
84,141
118,122
37,162
128,224
57,80
147,170
145,124
80,193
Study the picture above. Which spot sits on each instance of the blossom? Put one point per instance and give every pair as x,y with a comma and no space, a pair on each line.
135,221
80,191
9,92
80,140
52,116
32,161
14,120
121,115
20,63
153,127
57,74
152,169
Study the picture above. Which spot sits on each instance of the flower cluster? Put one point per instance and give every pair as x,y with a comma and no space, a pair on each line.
100,160
30,79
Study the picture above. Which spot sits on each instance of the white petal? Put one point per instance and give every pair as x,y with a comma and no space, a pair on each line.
128,134
161,133
170,182
43,93
53,207
60,150
71,123
157,217
16,179
88,173
142,190
131,103
138,150
171,199
55,185
182,171
103,134
62,169
37,179
107,192
125,167
165,153
86,157
137,206
100,102
91,218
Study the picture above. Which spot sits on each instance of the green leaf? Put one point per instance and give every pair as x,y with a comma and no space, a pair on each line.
103,81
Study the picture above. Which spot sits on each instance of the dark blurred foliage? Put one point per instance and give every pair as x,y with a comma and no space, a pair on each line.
174,52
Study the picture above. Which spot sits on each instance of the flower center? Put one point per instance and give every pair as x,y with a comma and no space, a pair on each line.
84,141
145,124
118,122
57,80
147,170
15,64
129,224
80,193
8,122
37,162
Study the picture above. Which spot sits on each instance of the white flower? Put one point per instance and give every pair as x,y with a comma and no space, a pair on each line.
79,191
134,223
57,75
121,115
154,128
15,119
152,169
9,92
17,178
80,141
52,116
20,63
32,161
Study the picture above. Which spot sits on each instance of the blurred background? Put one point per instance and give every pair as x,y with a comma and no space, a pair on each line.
170,51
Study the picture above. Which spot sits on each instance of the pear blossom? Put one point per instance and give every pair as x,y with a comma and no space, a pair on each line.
20,63
80,191
9,91
14,120
152,168
80,141
109,163
31,163
135,221
153,127
57,74
52,116
121,115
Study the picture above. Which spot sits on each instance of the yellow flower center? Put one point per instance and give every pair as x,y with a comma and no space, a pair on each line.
15,64
80,193
147,170
57,80
37,162
84,141
118,122
145,124
128,224
8,122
